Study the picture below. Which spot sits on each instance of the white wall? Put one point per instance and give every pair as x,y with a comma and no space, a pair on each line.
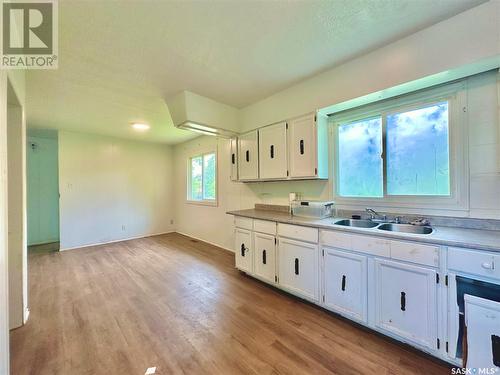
42,188
112,189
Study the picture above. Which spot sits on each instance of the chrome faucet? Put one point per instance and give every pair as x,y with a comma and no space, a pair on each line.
374,214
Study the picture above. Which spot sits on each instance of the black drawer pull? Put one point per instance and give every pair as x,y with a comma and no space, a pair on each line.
403,301
233,158
247,155
343,283
302,147
296,266
242,249
272,151
264,260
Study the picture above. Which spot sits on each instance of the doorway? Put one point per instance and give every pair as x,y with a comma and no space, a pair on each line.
16,195
43,190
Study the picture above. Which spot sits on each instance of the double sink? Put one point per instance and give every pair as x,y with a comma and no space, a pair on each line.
390,227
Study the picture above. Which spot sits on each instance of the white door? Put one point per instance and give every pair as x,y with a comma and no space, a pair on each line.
298,269
233,142
248,156
345,283
243,250
265,256
405,299
302,146
273,151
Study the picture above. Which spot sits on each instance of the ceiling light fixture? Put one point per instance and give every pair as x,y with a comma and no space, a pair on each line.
139,126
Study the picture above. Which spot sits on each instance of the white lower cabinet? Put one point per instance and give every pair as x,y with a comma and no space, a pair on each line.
265,256
406,302
344,283
298,268
244,250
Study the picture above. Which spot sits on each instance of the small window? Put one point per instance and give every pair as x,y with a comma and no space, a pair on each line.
202,178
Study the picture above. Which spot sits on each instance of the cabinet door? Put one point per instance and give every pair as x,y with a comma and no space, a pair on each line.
244,250
298,269
273,151
345,283
265,256
405,299
248,158
302,146
233,143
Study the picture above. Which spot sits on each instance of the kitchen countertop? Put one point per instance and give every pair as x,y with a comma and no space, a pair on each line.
448,236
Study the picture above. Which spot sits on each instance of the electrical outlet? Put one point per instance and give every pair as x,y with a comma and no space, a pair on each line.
171,222
123,228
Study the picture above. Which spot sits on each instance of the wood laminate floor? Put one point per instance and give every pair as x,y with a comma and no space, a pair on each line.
178,304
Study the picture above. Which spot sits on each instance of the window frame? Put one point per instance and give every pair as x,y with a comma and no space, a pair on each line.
455,95
202,202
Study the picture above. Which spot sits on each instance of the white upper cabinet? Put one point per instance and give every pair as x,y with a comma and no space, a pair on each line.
406,301
233,144
273,152
308,146
248,160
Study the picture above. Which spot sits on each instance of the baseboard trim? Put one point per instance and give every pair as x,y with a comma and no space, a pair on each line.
203,240
115,241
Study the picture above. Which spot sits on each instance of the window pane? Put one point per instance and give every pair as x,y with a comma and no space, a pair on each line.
196,179
359,159
209,178
418,152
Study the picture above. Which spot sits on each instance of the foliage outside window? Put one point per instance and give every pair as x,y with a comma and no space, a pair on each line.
202,178
398,152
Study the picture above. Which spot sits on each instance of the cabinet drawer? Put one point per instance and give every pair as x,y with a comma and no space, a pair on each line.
474,262
371,245
336,239
416,253
298,232
264,226
243,222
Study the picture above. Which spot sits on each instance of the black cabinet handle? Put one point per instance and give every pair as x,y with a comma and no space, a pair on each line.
242,249
296,266
264,260
403,301
301,147
233,158
247,155
495,346
272,151
343,283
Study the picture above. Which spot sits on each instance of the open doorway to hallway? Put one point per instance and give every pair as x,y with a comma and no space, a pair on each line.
42,190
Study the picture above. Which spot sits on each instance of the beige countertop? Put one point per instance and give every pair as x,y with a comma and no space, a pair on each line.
448,236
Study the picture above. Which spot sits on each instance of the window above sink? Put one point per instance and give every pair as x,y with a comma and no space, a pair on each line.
404,152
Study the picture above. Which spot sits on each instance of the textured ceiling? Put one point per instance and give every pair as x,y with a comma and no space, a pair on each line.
119,59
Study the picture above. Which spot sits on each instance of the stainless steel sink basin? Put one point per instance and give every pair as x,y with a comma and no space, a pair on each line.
406,228
358,223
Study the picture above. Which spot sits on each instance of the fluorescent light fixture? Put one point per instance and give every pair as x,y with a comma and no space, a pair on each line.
205,129
139,126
